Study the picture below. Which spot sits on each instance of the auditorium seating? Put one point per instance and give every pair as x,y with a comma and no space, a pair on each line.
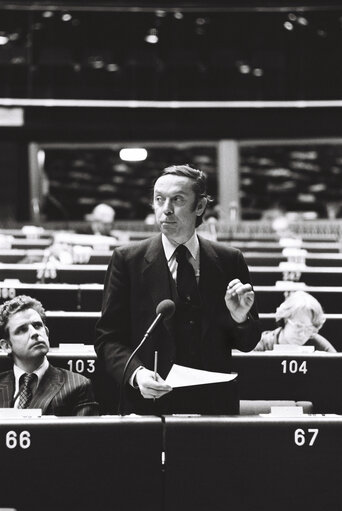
73,302
39,272
67,297
311,276
270,297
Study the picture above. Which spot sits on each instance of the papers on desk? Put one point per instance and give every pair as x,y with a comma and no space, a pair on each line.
73,348
292,349
20,413
181,376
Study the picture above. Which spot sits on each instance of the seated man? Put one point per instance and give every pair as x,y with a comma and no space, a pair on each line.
33,382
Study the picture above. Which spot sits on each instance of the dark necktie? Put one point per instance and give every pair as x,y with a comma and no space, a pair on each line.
186,279
25,395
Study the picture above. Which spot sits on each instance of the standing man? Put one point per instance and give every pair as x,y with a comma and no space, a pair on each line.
209,283
33,382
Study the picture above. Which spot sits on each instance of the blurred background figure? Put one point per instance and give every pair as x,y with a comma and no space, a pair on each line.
299,317
101,220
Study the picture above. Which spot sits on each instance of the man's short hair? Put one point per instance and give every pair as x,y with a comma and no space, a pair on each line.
17,304
199,186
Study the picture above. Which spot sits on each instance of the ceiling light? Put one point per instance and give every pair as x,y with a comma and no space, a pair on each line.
321,33
3,40
133,154
302,21
178,15
112,67
152,36
244,69
66,17
288,25
258,72
47,14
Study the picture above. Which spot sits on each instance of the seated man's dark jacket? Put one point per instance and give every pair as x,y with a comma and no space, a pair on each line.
137,280
60,392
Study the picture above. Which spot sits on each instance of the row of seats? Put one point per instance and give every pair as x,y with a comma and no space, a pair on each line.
73,300
76,273
313,377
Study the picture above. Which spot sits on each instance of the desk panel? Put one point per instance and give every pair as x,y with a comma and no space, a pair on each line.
71,327
81,464
253,464
315,276
257,258
315,377
70,274
57,297
270,297
274,246
53,296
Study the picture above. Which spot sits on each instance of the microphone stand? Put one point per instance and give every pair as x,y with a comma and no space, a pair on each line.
122,384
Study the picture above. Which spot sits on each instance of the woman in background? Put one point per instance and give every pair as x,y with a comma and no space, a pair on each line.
299,317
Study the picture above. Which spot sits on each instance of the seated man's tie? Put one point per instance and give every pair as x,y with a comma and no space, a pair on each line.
26,384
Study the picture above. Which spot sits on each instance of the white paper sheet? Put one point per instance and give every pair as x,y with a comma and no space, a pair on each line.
181,376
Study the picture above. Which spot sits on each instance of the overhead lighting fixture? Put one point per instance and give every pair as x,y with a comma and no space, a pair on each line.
322,33
152,36
47,14
66,16
258,72
244,69
112,68
302,21
3,40
288,25
133,154
178,15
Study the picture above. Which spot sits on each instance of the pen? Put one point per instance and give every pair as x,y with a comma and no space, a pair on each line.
155,368
155,364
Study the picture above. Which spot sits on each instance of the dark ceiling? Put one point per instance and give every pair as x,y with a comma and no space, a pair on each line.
108,51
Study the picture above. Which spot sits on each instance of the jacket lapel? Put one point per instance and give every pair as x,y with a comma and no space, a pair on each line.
7,391
211,280
156,279
50,384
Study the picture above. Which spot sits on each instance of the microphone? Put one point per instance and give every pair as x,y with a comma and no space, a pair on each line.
165,310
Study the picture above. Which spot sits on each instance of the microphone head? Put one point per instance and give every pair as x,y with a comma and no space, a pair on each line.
166,308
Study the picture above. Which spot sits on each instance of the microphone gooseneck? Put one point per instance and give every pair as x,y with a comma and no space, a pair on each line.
164,310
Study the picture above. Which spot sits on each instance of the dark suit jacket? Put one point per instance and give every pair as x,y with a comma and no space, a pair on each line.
60,392
138,279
